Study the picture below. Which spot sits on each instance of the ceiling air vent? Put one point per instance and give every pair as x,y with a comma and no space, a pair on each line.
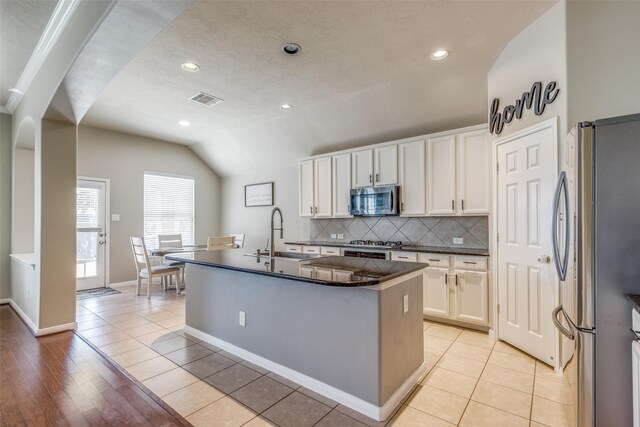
206,99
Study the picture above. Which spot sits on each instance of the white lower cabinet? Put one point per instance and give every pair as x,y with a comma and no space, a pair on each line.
635,359
471,296
455,286
436,292
324,273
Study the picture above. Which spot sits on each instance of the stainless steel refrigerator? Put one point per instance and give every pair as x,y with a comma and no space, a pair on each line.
596,232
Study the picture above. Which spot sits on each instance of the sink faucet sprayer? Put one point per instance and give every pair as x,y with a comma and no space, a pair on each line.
273,214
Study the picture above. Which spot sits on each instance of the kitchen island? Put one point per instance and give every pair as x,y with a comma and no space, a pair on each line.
347,328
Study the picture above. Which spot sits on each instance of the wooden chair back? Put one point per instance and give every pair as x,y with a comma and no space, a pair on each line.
238,240
140,255
170,240
219,243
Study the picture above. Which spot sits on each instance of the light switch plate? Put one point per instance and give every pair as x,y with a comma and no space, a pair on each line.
458,241
243,319
115,217
334,236
340,236
405,304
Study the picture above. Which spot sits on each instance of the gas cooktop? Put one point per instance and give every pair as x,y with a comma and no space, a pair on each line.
376,243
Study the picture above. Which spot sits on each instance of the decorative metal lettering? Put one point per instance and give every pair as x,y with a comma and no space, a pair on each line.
536,98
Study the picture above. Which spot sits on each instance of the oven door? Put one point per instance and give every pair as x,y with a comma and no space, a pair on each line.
375,201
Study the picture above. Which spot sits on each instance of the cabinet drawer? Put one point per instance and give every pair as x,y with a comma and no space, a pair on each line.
293,248
475,263
404,256
434,260
328,250
311,249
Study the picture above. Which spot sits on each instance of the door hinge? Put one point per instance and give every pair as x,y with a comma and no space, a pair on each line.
497,237
498,308
497,167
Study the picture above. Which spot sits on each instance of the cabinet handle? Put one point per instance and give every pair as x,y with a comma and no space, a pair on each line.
377,177
348,208
316,209
311,210
370,178
456,280
462,204
446,278
453,205
469,262
401,206
436,260
403,257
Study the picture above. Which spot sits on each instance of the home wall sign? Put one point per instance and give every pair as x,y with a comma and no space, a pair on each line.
536,98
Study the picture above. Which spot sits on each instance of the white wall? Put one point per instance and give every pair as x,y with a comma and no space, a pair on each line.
255,221
124,158
603,42
23,201
538,53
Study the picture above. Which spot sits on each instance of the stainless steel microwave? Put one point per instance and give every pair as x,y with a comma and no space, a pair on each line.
375,201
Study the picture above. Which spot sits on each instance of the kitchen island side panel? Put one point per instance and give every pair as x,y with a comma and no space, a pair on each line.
328,333
401,335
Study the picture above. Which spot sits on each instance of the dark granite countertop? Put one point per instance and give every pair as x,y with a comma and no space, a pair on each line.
635,302
406,248
364,272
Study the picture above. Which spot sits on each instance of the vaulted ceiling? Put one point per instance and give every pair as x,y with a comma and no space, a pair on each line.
364,76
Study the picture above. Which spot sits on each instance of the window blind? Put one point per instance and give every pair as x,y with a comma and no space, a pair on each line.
168,208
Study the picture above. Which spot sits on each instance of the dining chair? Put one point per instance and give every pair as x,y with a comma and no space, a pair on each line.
172,241
238,240
146,271
219,243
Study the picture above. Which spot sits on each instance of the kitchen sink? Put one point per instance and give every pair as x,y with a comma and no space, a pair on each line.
289,255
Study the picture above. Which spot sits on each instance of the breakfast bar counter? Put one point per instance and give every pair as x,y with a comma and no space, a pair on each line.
347,328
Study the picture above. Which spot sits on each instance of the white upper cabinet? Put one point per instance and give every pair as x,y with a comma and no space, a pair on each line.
322,187
441,178
413,178
362,168
385,165
446,174
341,185
474,179
305,188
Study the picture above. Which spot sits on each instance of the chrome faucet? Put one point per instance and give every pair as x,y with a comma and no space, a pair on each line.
273,244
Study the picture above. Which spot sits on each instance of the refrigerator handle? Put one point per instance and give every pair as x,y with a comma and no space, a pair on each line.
561,263
567,333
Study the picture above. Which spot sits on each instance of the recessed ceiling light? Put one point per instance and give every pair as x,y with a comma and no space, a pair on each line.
190,66
286,107
183,123
291,48
439,54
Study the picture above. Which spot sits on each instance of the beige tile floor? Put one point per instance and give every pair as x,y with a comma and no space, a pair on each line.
472,380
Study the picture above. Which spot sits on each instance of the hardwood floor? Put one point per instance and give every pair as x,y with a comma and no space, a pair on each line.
60,380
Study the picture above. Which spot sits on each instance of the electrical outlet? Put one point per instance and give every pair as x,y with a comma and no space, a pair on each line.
334,236
115,217
458,241
243,319
405,304
340,236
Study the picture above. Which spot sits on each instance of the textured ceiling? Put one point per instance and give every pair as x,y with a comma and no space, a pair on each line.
364,76
21,25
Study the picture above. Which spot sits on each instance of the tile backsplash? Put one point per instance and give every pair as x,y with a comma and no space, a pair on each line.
431,231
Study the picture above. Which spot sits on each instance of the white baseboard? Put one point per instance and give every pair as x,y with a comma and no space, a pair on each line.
24,317
123,284
378,413
34,329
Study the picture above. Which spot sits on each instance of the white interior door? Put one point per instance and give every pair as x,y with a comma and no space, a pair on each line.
527,281
91,234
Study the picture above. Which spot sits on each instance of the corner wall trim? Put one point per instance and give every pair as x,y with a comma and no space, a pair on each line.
34,329
378,413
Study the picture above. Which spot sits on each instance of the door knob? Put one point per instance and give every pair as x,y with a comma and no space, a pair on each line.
544,259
